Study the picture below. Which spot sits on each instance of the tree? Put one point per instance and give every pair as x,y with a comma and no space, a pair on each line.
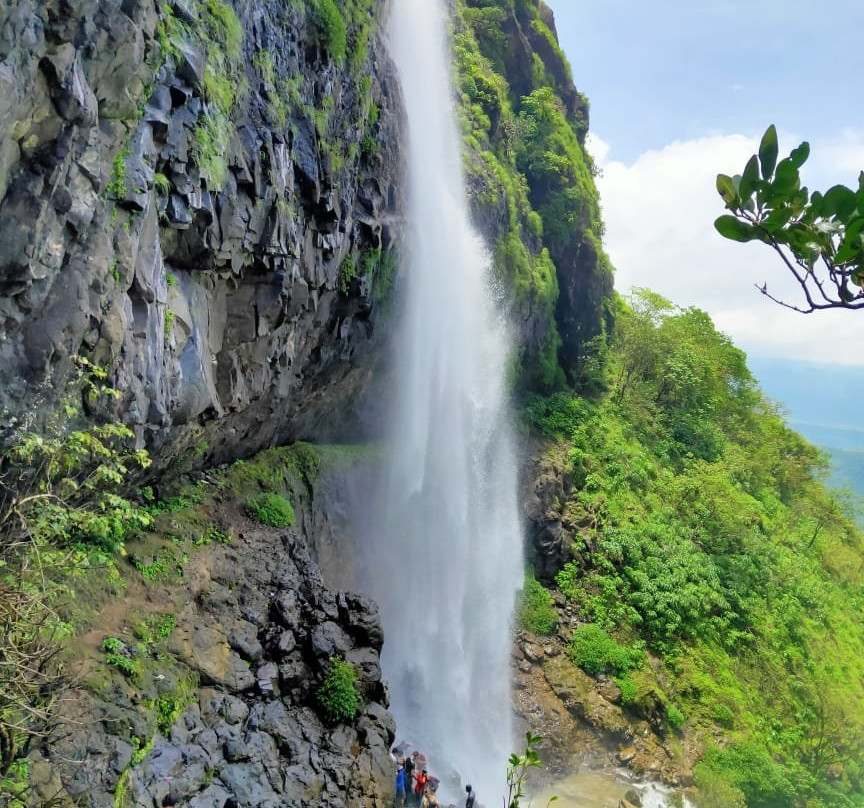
818,237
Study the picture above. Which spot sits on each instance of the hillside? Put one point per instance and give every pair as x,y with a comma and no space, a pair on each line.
705,568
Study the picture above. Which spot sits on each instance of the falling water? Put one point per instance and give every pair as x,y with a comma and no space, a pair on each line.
445,552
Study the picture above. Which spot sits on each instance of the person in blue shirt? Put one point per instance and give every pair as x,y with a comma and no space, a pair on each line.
400,787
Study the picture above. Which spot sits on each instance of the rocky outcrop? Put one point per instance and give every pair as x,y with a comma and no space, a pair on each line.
224,712
546,490
209,221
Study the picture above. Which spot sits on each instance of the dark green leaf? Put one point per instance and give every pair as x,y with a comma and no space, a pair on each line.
799,156
768,152
777,219
786,179
749,178
840,201
734,229
816,202
851,245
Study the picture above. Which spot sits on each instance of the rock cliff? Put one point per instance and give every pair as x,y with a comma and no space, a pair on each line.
202,197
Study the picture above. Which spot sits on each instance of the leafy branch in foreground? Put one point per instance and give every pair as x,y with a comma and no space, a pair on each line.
60,503
818,237
517,771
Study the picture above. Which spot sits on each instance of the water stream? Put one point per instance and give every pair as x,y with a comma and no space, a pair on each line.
443,552
604,789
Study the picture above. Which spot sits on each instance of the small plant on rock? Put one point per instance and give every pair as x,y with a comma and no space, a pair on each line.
271,509
337,695
117,655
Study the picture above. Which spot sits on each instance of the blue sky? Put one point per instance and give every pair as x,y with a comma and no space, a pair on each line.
681,90
680,69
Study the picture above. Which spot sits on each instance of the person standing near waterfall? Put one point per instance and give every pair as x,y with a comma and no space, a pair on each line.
471,797
420,787
409,775
400,787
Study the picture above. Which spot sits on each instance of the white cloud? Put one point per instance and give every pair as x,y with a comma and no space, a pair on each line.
659,214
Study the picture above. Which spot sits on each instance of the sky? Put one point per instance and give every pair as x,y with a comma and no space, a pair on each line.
681,90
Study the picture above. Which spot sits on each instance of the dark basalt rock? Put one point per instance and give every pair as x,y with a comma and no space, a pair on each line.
238,740
97,255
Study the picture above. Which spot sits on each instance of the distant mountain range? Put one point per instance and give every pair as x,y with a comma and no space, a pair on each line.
825,403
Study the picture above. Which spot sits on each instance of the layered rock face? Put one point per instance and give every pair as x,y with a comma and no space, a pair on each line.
201,198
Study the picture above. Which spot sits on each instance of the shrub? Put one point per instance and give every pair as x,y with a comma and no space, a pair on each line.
271,509
629,691
674,717
536,613
330,28
750,768
715,791
593,650
61,511
337,696
723,715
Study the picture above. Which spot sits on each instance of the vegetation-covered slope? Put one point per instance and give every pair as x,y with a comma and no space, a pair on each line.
532,182
718,579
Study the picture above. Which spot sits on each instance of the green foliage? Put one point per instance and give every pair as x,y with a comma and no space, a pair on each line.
527,169
330,28
723,715
347,273
15,784
715,791
593,650
170,705
819,237
551,158
271,509
748,767
517,771
161,183
629,691
62,479
209,148
141,750
714,541
536,612
169,323
166,564
117,185
337,694
122,657
674,717
155,628
220,35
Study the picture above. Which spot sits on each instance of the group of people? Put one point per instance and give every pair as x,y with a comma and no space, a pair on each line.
414,786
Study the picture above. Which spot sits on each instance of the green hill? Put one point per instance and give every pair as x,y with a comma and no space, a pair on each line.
702,533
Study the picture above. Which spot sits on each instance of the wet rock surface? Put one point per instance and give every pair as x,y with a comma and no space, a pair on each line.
218,303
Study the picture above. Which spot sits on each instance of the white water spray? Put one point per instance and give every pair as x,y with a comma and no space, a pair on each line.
445,557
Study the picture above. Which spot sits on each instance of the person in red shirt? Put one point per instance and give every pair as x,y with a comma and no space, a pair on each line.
420,786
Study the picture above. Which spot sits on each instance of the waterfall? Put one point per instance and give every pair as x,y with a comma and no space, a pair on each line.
444,551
